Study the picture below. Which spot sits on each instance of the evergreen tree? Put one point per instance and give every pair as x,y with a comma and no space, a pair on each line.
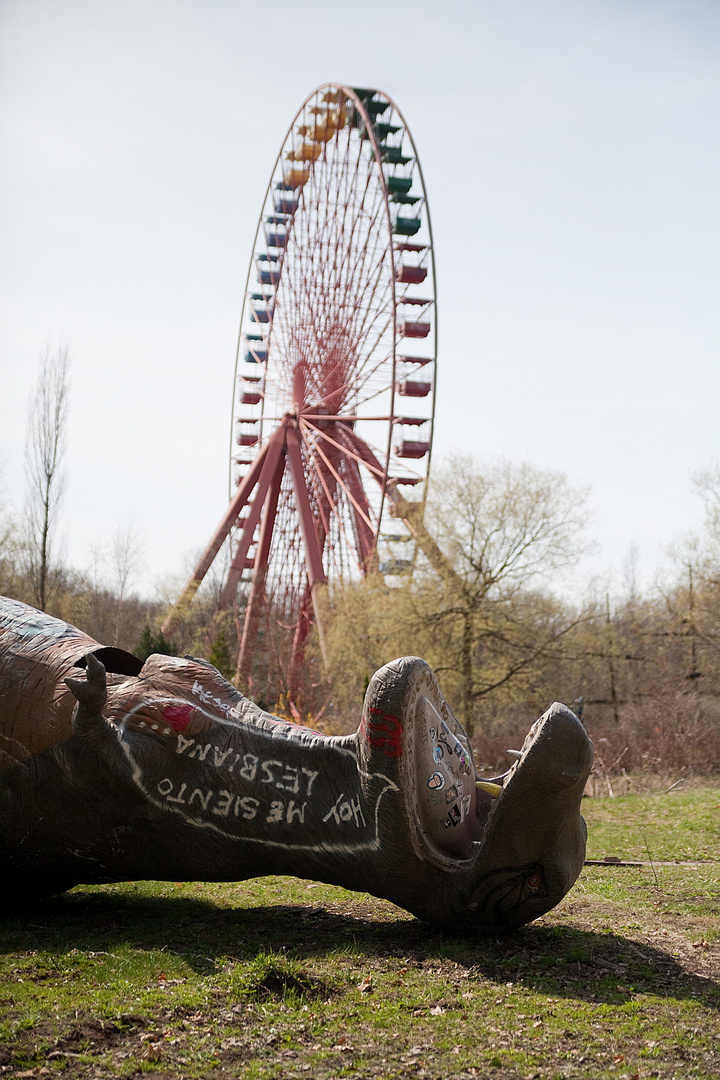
150,643
220,655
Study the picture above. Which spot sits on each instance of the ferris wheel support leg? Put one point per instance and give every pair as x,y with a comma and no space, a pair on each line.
256,598
412,515
315,596
220,535
310,602
313,552
272,458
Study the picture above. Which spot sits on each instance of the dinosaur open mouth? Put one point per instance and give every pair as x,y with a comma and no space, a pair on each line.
451,809
456,807
487,794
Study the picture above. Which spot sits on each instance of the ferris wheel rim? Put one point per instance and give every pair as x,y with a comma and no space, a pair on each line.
343,204
352,95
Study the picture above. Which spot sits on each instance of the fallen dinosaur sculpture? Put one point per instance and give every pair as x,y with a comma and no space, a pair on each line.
115,770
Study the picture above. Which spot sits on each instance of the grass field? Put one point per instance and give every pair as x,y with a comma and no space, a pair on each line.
279,977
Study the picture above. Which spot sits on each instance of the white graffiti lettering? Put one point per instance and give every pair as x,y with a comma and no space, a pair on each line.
249,807
225,801
183,744
249,766
278,812
294,811
208,699
219,756
312,775
179,797
345,809
202,799
285,777
291,775
201,752
266,768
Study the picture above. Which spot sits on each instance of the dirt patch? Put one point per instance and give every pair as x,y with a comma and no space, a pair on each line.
96,1035
676,940
44,1045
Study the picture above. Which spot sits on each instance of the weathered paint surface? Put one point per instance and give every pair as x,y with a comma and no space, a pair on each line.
165,771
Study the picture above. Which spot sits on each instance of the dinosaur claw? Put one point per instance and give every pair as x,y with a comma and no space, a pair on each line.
91,692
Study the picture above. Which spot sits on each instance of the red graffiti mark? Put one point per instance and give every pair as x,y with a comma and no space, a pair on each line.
178,716
384,731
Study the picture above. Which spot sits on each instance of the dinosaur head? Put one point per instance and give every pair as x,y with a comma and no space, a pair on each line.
492,854
531,846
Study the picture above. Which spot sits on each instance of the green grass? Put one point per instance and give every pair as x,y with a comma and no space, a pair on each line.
278,978
673,825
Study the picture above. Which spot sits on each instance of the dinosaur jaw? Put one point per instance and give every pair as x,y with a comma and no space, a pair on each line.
532,843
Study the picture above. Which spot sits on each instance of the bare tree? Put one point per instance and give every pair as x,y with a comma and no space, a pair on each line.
506,525
504,531
9,547
707,485
46,435
126,560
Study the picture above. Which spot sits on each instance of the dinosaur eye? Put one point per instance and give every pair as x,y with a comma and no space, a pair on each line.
534,881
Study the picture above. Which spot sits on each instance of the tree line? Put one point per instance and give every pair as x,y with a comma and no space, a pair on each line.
481,605
642,668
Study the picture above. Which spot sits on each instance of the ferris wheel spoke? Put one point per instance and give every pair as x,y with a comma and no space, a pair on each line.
363,453
357,277
335,553
368,375
360,505
374,295
381,331
356,346
320,490
364,533
351,182
313,328
371,301
323,435
374,243
354,447
357,266
361,282
338,478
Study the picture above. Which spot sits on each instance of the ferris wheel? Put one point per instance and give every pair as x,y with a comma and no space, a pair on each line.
334,392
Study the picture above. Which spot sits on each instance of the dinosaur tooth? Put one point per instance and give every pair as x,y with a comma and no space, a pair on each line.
486,785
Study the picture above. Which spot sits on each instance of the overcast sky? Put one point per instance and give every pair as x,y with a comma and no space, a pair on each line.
571,155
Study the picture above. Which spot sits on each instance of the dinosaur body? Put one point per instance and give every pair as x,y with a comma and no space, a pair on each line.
112,770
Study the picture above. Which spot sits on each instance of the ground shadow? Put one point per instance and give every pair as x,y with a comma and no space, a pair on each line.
563,961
